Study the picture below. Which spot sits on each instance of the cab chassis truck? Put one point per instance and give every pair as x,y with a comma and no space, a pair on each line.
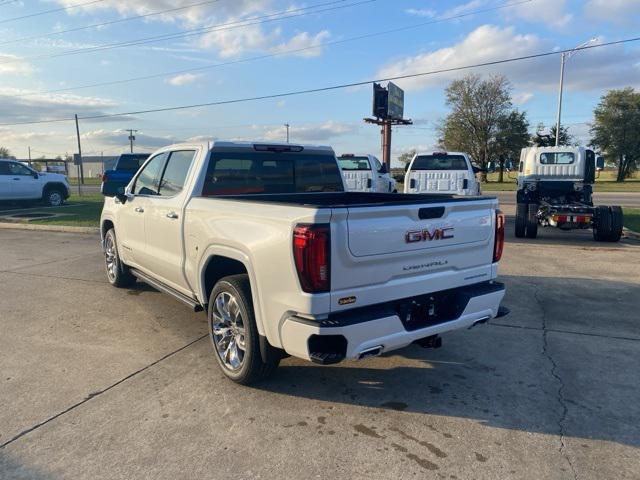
555,190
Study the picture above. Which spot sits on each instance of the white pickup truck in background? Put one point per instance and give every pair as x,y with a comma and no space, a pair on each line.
441,172
365,173
265,240
19,182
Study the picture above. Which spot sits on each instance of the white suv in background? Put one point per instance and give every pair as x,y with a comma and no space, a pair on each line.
441,172
365,173
19,182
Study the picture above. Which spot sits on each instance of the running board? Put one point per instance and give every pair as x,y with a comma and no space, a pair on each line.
192,303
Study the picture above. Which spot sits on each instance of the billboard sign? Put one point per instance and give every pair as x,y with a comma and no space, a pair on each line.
395,102
388,103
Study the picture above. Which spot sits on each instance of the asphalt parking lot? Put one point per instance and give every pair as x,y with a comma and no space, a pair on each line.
97,382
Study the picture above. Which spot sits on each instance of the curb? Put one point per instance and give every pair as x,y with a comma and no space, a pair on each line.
631,234
48,228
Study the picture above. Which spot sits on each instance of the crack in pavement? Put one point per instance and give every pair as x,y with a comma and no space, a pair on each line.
569,332
97,393
554,373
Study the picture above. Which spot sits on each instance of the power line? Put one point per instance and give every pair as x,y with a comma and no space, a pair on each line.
110,22
271,55
281,15
323,89
53,10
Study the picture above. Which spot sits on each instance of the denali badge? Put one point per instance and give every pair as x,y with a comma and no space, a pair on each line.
413,236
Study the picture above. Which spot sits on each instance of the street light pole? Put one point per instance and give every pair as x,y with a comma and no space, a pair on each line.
563,58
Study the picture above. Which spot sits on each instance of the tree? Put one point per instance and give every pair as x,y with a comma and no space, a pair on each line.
406,157
5,153
511,137
540,139
616,129
479,110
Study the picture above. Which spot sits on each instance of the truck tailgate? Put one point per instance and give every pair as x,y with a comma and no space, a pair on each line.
403,250
434,181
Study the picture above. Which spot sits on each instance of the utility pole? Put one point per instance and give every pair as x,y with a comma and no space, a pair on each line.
29,155
287,125
80,170
132,137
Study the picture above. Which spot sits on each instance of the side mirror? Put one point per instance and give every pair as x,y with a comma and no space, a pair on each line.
34,174
123,195
600,163
406,166
383,169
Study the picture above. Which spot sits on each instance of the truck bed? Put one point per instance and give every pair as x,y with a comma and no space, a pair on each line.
349,199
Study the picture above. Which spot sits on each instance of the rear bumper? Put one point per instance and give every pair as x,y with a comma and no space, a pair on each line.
391,325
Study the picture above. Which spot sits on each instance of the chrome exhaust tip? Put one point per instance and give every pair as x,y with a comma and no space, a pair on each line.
370,352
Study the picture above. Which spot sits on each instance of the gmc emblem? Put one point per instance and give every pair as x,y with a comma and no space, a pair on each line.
427,235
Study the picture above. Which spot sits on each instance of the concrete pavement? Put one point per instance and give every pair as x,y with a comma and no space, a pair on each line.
104,383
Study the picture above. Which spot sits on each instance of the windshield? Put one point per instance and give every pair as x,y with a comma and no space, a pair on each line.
131,162
354,163
439,162
272,172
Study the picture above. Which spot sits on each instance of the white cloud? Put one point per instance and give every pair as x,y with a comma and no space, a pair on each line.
590,69
549,12
306,133
14,65
227,39
463,8
182,79
421,12
117,137
18,105
302,44
520,98
616,11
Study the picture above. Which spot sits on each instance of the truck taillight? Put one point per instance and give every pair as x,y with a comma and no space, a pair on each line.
498,246
104,177
312,255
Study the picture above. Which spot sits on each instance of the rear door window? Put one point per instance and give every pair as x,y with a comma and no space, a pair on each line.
271,172
439,162
175,172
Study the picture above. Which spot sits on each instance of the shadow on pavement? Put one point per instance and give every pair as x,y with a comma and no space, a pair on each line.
520,374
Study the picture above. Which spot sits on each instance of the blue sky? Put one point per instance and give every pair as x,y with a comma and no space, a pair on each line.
298,58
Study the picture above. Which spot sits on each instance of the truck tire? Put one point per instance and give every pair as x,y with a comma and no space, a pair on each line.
603,223
521,219
53,196
118,273
617,222
233,331
532,220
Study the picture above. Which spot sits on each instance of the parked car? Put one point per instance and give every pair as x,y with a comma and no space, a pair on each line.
264,238
19,182
365,173
555,190
441,172
114,181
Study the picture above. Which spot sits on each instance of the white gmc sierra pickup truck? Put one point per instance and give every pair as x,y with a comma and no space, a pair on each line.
264,238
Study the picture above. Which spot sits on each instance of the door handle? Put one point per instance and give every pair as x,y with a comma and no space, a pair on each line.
139,209
172,215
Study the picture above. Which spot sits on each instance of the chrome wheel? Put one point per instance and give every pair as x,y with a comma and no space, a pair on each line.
228,328
55,199
111,258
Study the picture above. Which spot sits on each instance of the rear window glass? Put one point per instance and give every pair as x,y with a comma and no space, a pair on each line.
557,158
273,172
439,162
354,163
131,162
